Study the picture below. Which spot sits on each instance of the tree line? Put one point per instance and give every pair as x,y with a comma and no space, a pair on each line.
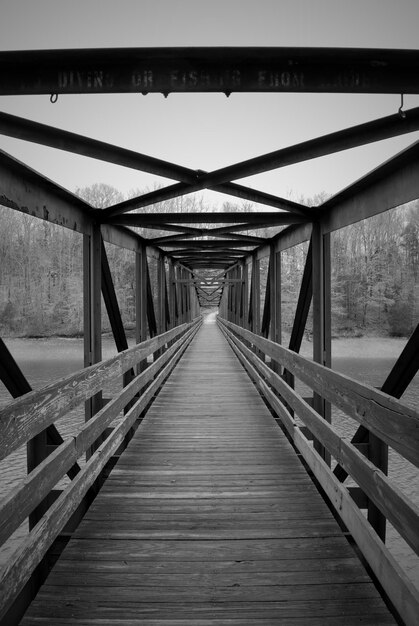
375,282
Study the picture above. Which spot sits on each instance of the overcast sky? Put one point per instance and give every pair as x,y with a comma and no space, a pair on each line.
207,131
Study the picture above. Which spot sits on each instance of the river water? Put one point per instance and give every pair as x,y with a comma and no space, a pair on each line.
366,359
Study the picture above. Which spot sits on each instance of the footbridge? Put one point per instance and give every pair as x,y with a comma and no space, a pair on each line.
211,486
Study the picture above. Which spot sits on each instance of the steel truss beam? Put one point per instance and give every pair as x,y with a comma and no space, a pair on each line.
155,219
392,184
181,189
221,69
25,190
208,243
163,241
21,128
266,315
383,128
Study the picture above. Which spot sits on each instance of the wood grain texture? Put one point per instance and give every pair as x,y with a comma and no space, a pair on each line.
394,580
25,417
388,418
208,518
397,508
25,558
36,486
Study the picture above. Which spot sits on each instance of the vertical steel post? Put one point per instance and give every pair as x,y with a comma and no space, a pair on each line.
238,292
227,291
92,280
161,291
255,296
182,288
172,295
321,317
275,278
232,296
141,300
245,275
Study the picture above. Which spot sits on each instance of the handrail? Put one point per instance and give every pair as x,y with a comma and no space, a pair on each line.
385,416
27,416
74,390
358,400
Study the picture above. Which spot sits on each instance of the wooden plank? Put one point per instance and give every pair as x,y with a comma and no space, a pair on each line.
192,616
294,613
231,593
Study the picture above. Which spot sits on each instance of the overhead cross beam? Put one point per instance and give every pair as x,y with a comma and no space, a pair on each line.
209,244
328,70
239,69
155,219
20,128
181,189
225,231
218,180
355,136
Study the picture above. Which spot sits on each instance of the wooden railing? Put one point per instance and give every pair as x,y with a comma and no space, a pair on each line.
31,414
387,418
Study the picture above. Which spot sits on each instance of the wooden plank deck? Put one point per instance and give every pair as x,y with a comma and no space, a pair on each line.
209,518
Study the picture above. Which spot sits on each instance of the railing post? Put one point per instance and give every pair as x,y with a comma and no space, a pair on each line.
92,280
321,317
